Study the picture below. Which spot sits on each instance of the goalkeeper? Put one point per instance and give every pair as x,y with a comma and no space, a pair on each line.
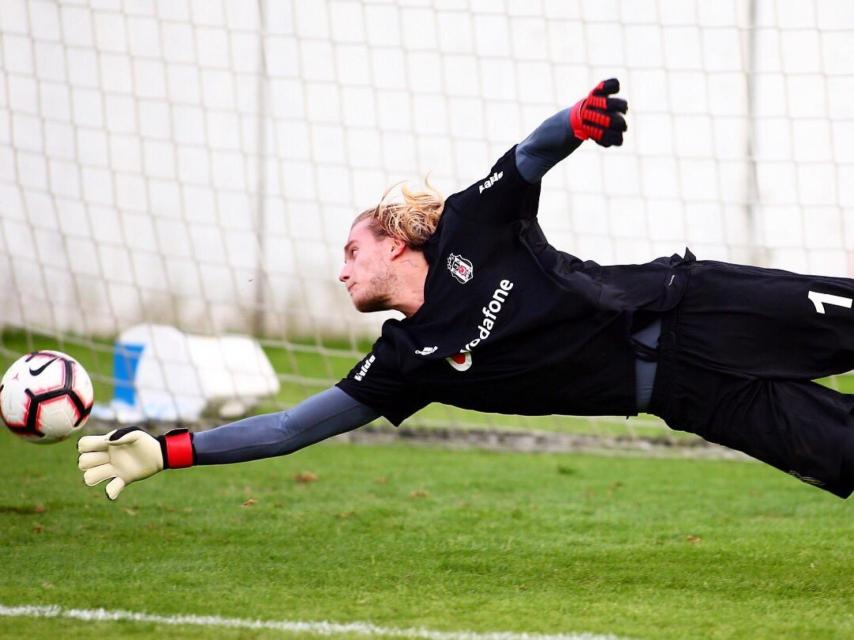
496,319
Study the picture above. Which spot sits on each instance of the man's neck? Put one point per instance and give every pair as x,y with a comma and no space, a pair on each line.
411,274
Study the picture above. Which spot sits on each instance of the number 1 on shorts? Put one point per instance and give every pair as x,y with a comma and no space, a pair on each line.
821,299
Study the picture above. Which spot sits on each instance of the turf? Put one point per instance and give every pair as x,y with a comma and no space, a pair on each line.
448,540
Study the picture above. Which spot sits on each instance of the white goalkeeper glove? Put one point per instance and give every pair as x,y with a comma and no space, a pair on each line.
130,454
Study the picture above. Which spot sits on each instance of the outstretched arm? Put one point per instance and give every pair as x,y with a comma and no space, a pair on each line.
130,454
597,116
320,417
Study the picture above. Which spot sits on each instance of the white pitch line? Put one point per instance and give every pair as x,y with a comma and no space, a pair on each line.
289,626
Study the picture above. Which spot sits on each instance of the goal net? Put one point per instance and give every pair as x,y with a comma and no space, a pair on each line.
197,164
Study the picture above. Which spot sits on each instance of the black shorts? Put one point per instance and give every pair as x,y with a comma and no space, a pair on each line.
737,358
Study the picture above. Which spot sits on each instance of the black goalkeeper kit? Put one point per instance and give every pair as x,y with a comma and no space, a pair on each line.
511,325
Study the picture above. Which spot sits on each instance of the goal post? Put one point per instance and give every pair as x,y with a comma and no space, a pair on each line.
198,164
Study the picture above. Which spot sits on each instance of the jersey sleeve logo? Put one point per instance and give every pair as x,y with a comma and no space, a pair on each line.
460,268
363,370
491,180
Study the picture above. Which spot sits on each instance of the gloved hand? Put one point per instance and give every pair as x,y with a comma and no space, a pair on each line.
130,454
598,116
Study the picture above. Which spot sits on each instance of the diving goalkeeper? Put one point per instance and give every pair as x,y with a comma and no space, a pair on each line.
496,319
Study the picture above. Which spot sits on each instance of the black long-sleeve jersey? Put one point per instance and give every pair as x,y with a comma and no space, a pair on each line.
510,324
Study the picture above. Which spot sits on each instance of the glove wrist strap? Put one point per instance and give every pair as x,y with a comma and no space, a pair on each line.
575,122
177,449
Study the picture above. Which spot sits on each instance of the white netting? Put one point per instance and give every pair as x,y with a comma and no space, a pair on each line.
198,163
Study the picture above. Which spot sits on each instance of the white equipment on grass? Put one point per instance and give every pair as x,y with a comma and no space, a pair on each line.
162,373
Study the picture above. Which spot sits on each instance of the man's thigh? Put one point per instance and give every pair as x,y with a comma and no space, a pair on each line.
799,427
766,322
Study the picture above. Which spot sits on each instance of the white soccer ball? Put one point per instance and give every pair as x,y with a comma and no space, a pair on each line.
45,396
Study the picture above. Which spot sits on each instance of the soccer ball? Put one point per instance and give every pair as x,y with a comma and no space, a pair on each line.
45,396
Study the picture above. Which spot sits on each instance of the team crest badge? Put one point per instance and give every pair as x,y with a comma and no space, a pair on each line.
460,268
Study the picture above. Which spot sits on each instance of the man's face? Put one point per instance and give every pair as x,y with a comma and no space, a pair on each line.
367,270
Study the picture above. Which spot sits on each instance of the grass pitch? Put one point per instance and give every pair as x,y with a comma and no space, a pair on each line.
445,540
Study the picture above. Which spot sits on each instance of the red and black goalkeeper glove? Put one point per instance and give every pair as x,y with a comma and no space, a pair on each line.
598,116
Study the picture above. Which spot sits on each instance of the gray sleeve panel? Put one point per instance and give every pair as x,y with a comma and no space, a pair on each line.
645,371
323,415
550,143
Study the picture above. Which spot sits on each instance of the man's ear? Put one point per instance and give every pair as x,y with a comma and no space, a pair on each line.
396,248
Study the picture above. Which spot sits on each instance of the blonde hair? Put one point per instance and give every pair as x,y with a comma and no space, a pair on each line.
413,219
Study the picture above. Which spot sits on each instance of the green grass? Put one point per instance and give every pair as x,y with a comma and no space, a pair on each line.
448,540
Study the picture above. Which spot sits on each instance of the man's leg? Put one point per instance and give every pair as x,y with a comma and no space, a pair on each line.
766,323
799,427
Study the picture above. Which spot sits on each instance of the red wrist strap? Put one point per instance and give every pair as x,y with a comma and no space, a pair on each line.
179,450
575,121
